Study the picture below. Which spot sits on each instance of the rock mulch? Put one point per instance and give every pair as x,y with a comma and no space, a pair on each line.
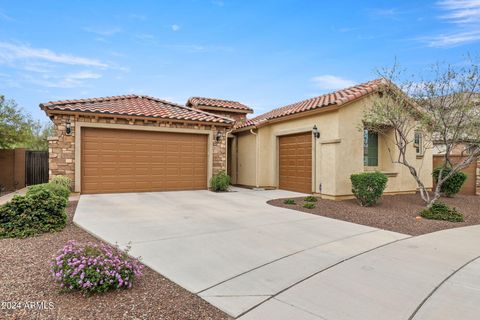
395,213
25,278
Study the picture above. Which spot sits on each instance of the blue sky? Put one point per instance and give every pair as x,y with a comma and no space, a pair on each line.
264,53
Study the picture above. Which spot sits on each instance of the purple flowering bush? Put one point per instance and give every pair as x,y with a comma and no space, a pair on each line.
93,268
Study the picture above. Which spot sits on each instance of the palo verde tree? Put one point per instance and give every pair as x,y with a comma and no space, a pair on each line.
413,111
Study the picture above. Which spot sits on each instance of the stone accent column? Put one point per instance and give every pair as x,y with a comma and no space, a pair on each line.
219,150
61,148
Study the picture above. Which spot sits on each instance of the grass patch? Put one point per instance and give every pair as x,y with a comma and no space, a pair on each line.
440,211
289,201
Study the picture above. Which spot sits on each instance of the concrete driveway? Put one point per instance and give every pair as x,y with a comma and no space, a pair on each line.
256,261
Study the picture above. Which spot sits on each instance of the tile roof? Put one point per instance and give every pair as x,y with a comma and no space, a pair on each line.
135,105
218,103
334,98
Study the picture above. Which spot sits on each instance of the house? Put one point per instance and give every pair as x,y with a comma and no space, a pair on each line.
316,144
135,143
138,143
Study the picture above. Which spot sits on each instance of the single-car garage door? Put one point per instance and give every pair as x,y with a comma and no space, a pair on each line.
135,161
295,162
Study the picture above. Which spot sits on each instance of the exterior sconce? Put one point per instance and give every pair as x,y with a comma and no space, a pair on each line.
315,132
68,128
218,136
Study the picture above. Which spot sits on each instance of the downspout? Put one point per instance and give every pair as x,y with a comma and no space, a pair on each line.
256,156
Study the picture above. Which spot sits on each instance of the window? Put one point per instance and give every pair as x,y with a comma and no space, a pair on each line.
418,143
370,149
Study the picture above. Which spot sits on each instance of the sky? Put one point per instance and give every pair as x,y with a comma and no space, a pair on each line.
266,54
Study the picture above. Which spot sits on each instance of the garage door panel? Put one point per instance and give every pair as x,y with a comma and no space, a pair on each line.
295,162
135,161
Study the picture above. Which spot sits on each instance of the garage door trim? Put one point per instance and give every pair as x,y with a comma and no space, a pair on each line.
78,143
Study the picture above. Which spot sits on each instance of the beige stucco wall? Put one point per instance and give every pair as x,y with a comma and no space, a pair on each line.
339,153
350,154
246,158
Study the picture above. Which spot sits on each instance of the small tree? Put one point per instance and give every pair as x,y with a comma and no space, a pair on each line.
442,105
18,129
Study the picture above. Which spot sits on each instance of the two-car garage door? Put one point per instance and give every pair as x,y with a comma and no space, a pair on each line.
135,161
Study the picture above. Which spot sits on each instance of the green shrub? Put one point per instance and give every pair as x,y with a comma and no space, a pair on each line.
309,205
39,212
57,189
310,199
440,211
289,201
64,181
453,184
220,182
368,187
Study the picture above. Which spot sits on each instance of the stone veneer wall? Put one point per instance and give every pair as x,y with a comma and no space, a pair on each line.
61,147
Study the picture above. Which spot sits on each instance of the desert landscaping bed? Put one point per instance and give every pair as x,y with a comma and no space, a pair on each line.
25,277
395,213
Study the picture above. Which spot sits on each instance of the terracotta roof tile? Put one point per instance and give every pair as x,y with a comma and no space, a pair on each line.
218,103
135,105
334,98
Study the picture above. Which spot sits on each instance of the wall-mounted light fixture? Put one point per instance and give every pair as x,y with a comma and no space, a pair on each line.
68,128
218,136
315,132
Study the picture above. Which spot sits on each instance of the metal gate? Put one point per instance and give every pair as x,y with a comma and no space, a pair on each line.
36,167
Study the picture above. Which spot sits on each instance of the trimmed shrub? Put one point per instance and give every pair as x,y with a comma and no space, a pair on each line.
310,199
289,201
309,205
54,188
220,182
453,184
40,212
440,211
91,268
368,187
64,181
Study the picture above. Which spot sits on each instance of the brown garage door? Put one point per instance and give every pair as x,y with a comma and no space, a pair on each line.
295,162
135,161
470,185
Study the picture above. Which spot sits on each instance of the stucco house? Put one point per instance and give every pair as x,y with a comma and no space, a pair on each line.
314,146
138,143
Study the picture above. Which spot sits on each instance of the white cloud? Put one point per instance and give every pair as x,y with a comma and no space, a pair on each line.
103,31
330,82
71,80
84,75
452,39
461,11
10,53
175,27
464,15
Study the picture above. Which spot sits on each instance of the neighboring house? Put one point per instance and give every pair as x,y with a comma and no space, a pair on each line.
137,143
278,149
462,150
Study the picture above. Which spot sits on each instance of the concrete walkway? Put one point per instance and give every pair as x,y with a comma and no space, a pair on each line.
435,276
232,249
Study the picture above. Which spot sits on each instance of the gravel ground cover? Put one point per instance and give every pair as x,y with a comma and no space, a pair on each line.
395,213
25,278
